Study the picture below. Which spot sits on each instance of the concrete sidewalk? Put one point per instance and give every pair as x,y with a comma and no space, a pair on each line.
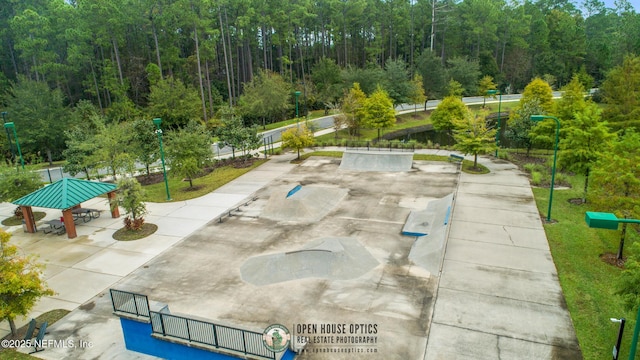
499,296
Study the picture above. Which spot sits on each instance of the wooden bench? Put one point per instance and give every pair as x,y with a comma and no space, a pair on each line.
456,158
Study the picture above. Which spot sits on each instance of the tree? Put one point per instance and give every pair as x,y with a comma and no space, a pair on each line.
174,102
233,133
112,148
621,91
130,196
616,180
378,111
586,137
465,72
473,136
144,145
266,97
399,88
543,133
484,85
448,113
21,282
16,184
454,88
434,75
352,106
572,101
326,75
188,151
417,92
82,144
519,127
297,138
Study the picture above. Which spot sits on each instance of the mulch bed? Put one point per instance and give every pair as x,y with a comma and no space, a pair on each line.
612,259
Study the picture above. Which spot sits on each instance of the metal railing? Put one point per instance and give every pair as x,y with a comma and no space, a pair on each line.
379,146
207,333
130,303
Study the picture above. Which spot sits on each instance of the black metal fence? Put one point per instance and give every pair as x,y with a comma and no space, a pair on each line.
129,303
380,146
207,333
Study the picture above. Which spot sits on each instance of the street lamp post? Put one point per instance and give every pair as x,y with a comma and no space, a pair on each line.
157,122
493,92
297,94
10,125
537,118
609,221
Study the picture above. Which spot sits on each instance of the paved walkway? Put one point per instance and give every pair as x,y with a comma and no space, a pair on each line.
498,297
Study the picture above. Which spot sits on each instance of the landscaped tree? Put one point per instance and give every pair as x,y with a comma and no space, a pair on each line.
21,282
572,101
417,92
485,84
473,136
326,75
399,87
586,137
144,143
519,126
188,151
234,133
130,196
352,106
16,184
378,111
454,88
621,91
616,180
297,138
112,148
174,102
466,72
266,97
540,90
448,113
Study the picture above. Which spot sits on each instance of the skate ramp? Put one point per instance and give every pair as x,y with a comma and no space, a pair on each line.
385,161
427,250
421,222
302,203
333,258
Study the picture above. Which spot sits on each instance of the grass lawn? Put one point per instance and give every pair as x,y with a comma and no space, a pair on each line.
50,317
588,283
180,189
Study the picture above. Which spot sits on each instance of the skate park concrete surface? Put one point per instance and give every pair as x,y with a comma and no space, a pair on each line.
497,297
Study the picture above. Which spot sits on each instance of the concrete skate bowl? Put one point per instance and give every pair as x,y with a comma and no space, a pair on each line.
302,203
429,226
385,161
333,258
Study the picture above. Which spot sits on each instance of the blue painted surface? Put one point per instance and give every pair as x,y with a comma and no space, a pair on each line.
446,217
409,233
294,190
137,337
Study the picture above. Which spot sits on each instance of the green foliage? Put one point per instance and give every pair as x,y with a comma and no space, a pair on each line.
586,137
454,88
233,133
16,184
144,143
572,100
434,75
82,147
353,108
267,97
398,86
188,150
39,117
621,91
378,111
174,102
628,285
21,283
130,196
112,148
616,177
326,75
417,95
473,136
541,91
450,110
519,126
297,138
466,72
368,78
485,84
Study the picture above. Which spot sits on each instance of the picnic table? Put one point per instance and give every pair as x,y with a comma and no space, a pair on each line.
56,226
85,214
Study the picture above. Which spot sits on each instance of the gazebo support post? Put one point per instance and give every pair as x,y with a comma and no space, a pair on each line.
27,213
115,213
67,218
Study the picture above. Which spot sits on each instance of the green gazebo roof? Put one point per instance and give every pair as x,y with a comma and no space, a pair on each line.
65,193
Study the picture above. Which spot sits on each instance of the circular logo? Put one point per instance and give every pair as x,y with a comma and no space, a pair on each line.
276,338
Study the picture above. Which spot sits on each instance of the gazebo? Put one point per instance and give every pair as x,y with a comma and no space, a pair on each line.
65,194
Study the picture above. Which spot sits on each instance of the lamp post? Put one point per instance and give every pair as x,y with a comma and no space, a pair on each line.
538,118
297,94
609,221
4,121
8,126
493,92
157,122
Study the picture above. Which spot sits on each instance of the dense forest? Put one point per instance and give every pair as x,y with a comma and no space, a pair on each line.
127,57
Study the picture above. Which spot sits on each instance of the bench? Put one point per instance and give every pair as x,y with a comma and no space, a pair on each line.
456,158
85,214
41,332
30,329
55,226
